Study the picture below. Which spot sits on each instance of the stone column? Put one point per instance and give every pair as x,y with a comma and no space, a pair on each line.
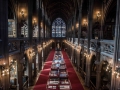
39,23
40,59
30,72
20,74
115,81
35,70
87,78
90,19
74,24
78,59
80,19
98,77
4,39
30,8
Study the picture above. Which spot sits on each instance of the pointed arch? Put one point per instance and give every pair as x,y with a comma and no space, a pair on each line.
58,28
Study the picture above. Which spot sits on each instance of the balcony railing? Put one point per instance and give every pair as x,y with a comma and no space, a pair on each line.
107,46
24,44
13,45
93,44
81,41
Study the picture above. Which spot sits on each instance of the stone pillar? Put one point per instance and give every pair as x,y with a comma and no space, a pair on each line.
30,72
87,78
70,30
39,23
90,18
80,19
74,24
20,74
115,81
30,9
4,39
83,63
44,28
78,59
98,77
40,59
35,70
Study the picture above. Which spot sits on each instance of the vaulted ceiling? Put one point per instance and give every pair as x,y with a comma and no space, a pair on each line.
60,8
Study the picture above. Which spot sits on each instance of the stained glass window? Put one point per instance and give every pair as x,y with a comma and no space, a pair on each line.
58,28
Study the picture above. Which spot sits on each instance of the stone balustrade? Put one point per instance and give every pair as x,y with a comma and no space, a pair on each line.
13,45
107,47
85,43
93,44
81,42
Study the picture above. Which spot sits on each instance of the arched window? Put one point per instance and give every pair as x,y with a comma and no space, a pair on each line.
58,28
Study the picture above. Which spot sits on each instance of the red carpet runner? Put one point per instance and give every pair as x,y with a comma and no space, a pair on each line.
76,85
42,81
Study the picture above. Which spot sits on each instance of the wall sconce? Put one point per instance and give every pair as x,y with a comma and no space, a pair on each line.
85,22
34,21
22,13
31,53
77,25
117,71
41,24
98,15
39,48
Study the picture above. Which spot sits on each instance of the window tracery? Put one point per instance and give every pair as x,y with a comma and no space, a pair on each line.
58,28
